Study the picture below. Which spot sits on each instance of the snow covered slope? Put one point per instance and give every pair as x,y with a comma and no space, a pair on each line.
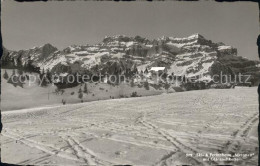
155,130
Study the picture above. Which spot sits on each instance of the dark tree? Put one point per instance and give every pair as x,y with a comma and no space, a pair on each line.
132,84
49,75
20,71
43,80
63,101
146,71
19,64
146,85
23,78
184,78
43,72
85,88
167,86
6,75
80,95
134,94
80,91
19,83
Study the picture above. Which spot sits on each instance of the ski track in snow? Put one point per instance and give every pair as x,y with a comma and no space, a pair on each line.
163,128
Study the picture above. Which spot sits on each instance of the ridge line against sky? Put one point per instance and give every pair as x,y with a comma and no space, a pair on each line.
26,25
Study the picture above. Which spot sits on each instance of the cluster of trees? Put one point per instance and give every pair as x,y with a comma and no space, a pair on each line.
23,65
80,92
194,85
45,78
134,94
143,72
74,79
9,62
16,79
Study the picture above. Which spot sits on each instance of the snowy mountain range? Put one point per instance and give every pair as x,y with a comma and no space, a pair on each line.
190,56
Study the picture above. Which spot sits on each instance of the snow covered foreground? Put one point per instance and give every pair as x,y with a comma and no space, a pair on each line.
155,130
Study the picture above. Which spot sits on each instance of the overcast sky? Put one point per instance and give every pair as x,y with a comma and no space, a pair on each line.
25,25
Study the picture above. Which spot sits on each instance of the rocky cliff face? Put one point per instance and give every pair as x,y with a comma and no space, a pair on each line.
189,56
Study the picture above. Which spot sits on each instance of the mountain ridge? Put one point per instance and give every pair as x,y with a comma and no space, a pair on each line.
190,56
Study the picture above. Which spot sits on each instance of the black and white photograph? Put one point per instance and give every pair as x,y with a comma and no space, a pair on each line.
162,83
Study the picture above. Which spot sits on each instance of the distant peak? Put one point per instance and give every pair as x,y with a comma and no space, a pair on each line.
115,37
195,36
48,45
190,37
163,38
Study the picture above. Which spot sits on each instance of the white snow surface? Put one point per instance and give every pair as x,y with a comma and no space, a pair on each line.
224,47
154,130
